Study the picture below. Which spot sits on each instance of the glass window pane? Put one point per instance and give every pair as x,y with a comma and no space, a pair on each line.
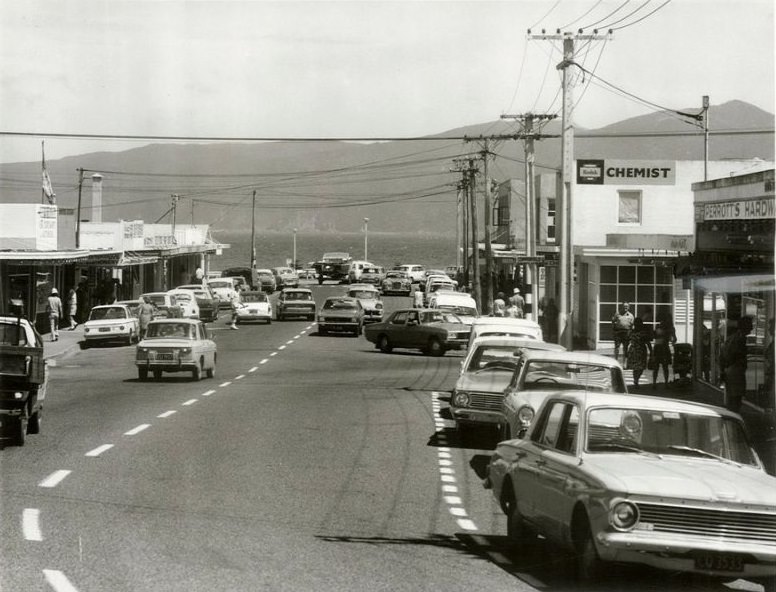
630,207
645,311
664,275
608,293
627,274
608,274
606,312
605,331
664,294
646,293
627,293
663,312
646,274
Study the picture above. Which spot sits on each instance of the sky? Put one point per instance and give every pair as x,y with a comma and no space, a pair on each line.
360,68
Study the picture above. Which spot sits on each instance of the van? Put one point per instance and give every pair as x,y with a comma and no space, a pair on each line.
458,303
356,269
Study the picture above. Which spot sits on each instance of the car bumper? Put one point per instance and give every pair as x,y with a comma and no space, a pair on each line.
471,416
678,553
375,317
456,343
98,335
296,312
257,316
338,326
167,365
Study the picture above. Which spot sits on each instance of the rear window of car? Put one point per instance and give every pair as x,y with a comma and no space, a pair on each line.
298,296
171,330
366,294
254,297
221,284
113,312
339,305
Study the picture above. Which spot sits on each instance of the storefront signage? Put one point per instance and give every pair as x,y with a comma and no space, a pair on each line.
626,172
47,228
744,209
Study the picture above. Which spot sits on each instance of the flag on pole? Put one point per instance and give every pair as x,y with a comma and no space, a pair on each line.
48,190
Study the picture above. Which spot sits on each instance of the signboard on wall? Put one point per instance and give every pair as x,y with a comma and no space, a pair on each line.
626,172
742,209
46,228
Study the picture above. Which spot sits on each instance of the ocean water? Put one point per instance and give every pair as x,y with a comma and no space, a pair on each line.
273,249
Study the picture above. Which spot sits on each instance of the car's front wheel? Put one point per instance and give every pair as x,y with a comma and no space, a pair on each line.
518,533
384,344
142,373
589,566
196,372
157,374
435,347
211,372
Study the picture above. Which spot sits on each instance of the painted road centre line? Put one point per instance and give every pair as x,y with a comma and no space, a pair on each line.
223,384
189,402
31,524
58,581
273,354
99,450
167,413
55,478
239,377
208,393
253,369
264,361
138,429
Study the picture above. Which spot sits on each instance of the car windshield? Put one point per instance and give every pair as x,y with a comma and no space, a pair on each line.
156,299
465,311
254,297
494,356
540,374
181,297
339,305
265,276
438,316
364,294
298,296
111,312
221,285
171,330
12,334
399,275
665,432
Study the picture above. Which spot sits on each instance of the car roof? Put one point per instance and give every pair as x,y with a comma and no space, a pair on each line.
581,357
506,322
187,321
264,270
114,305
252,292
631,401
153,294
520,341
362,287
345,298
305,290
175,290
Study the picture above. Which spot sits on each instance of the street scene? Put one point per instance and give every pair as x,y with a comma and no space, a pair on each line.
388,296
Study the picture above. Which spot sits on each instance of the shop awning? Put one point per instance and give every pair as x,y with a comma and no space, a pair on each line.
737,283
43,258
134,258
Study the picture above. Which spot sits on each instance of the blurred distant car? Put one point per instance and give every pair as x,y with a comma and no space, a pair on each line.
285,277
176,345
458,303
373,276
631,479
397,282
223,289
307,274
209,305
110,322
369,297
246,273
295,302
341,314
162,305
239,283
436,283
414,271
265,281
186,301
432,331
453,271
255,307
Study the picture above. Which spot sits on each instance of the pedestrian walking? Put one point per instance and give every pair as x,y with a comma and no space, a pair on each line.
518,301
236,302
145,313
665,337
638,349
55,311
734,362
499,305
622,326
72,308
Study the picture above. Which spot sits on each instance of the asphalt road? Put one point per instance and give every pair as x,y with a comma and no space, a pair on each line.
307,463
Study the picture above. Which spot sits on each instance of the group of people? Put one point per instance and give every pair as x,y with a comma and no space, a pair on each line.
514,307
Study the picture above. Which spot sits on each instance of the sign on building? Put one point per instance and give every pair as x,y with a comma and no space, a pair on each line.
626,172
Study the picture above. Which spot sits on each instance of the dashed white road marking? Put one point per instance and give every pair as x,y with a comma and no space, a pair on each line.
467,524
58,581
99,450
446,471
296,337
264,361
289,342
223,384
55,478
208,393
457,511
253,369
167,413
274,354
31,524
450,488
448,478
282,347
138,429
239,377
453,500
189,402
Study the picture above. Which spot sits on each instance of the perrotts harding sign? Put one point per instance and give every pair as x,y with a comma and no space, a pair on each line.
626,172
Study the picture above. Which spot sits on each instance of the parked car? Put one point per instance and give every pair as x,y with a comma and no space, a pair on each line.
458,303
186,301
436,283
255,307
333,266
432,331
132,305
307,274
413,270
453,271
296,302
285,277
356,269
485,373
23,379
176,345
246,273
640,480
506,326
540,373
209,305
223,289
373,276
341,314
265,281
369,297
110,322
397,282
240,285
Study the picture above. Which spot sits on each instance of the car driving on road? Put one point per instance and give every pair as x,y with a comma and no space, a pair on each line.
295,302
111,322
341,314
434,332
176,345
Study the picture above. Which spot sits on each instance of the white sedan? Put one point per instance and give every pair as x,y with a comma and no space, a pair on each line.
176,345
111,322
255,307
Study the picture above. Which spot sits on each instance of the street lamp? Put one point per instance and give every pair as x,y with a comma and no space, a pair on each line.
366,238
293,261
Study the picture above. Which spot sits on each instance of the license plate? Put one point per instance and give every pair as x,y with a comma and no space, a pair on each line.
254,312
719,562
104,329
163,356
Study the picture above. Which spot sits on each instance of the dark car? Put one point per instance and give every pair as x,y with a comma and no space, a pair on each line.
432,331
207,301
295,302
246,273
341,314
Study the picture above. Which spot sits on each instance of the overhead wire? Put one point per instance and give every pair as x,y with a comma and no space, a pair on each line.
642,18
612,13
579,18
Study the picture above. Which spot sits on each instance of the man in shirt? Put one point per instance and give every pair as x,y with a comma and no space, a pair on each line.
622,325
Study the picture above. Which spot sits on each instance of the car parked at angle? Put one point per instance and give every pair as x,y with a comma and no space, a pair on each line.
208,303
295,302
397,282
110,322
505,326
223,289
540,373
23,379
176,345
485,373
255,306
433,332
186,301
373,276
265,281
341,314
639,480
413,270
458,303
285,277
369,297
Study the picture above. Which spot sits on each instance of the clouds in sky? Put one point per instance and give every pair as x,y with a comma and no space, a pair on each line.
354,68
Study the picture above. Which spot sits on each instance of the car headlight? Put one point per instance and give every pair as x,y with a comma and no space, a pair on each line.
121,327
86,329
461,399
525,414
623,515
379,306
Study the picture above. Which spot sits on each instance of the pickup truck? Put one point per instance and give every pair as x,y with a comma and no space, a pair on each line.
333,266
23,379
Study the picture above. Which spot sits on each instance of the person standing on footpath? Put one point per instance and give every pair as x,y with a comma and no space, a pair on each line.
519,302
622,325
499,305
54,310
145,314
734,363
665,336
72,308
82,306
638,350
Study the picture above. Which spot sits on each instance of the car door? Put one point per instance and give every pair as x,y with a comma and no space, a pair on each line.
207,346
415,334
396,328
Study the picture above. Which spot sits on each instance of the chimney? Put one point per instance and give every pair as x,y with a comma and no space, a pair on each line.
96,197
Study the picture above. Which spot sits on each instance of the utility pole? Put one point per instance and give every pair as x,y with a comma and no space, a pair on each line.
566,271
459,166
705,116
489,271
174,205
476,292
253,234
78,210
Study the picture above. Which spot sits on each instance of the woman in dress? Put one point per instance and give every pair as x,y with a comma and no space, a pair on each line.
665,334
639,348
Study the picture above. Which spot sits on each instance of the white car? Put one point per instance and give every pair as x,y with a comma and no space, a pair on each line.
223,288
186,300
416,272
255,307
369,297
111,322
505,326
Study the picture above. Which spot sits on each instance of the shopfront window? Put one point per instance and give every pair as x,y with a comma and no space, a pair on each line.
649,290
629,207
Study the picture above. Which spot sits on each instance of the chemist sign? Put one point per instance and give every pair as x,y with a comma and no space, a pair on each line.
626,172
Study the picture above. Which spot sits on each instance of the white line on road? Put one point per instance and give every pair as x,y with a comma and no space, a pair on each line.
58,581
264,361
274,354
208,393
447,478
239,377
445,463
223,384
167,413
450,488
189,402
31,524
253,369
466,524
297,336
453,500
456,511
446,471
282,347
138,429
55,478
99,450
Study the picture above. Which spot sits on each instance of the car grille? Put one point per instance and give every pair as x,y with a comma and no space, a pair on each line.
721,524
485,401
